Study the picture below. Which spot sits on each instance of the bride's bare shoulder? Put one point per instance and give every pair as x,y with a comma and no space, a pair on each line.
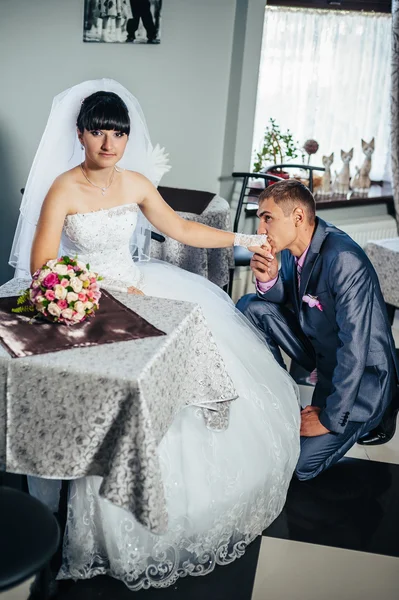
61,191
66,180
134,176
136,184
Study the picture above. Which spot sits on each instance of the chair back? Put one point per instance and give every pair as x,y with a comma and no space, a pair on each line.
309,168
267,178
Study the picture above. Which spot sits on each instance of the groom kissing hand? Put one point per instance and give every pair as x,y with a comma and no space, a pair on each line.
325,309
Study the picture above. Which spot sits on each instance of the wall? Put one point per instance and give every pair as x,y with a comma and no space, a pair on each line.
190,87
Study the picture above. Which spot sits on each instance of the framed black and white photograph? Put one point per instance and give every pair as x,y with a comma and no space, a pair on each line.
122,21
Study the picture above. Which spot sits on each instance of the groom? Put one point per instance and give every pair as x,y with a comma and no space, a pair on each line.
325,309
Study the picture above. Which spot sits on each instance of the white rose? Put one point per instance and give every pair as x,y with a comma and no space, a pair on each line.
77,317
60,292
84,276
40,299
43,274
67,313
79,307
71,297
52,263
88,305
54,309
35,284
76,284
60,269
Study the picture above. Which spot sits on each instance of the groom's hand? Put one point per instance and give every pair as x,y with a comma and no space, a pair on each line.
264,264
310,422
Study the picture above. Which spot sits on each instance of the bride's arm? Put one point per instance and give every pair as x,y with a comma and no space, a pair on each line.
166,220
49,227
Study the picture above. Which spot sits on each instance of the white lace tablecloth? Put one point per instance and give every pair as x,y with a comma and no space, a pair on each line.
103,410
384,254
214,263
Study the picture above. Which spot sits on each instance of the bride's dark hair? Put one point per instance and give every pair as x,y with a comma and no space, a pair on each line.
103,110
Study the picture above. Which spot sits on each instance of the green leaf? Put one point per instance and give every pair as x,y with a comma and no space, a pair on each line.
277,146
23,309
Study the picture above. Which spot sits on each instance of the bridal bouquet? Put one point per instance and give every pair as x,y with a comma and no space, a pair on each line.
64,290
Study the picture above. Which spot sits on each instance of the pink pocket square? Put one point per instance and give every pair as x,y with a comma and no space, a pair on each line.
312,301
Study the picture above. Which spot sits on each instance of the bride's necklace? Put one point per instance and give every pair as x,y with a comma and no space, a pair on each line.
103,189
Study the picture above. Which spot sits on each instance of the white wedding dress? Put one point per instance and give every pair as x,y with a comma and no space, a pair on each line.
222,488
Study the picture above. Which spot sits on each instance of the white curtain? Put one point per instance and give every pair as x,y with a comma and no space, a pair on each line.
325,75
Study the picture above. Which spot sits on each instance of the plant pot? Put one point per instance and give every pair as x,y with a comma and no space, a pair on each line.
278,173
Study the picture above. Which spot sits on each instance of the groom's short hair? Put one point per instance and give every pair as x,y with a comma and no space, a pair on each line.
289,193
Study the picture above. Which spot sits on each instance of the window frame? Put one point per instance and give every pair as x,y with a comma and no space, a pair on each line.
381,6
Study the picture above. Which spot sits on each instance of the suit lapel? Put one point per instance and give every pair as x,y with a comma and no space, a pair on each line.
312,256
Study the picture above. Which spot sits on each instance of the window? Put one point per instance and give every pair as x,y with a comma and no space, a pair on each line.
325,75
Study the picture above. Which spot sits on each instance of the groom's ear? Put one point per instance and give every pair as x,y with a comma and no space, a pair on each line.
299,216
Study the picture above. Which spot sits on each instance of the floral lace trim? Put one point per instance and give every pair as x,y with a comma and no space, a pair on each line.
248,241
113,211
166,562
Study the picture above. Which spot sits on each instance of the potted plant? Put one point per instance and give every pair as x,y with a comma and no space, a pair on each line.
278,147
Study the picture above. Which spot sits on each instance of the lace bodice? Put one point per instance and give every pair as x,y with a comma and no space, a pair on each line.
101,238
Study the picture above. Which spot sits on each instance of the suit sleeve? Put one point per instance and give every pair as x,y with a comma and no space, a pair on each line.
352,287
276,293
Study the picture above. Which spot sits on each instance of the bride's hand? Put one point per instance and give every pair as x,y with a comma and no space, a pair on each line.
265,250
135,291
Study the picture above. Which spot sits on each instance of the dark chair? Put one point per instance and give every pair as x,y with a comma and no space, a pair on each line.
154,236
30,536
242,256
309,168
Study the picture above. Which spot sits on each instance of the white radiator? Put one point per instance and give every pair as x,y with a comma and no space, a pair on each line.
365,229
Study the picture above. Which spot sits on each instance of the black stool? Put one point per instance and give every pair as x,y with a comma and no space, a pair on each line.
29,537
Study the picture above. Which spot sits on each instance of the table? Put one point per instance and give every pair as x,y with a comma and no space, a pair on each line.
213,263
103,410
384,254
377,194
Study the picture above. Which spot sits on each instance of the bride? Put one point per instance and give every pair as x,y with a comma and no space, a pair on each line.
95,169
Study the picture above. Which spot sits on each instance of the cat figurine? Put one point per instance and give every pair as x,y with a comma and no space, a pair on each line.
326,188
342,179
361,181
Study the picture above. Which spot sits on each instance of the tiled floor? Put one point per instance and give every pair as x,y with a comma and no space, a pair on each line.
337,538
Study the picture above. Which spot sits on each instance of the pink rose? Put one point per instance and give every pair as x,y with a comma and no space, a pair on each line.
93,280
64,282
50,295
82,297
50,280
62,304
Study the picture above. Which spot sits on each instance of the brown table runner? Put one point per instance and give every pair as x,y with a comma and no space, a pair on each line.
192,201
113,322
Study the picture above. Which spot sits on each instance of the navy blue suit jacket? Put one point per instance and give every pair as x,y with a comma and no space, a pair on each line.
355,352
